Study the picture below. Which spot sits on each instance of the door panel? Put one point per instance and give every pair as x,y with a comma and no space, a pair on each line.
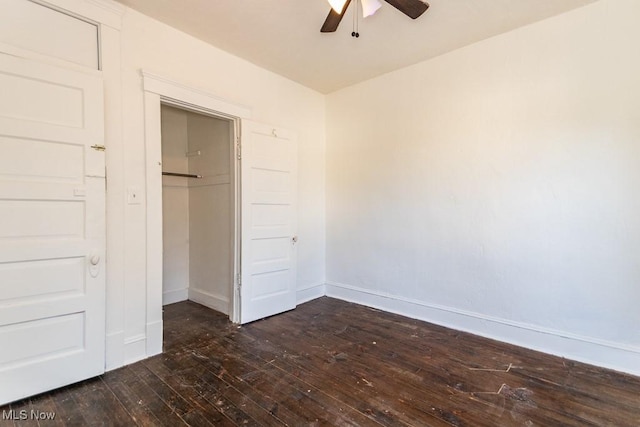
56,335
41,279
38,28
52,227
30,161
268,261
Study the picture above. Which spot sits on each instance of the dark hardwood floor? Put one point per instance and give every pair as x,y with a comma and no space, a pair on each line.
333,363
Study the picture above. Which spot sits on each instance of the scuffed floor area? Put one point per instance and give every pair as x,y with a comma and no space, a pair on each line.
334,363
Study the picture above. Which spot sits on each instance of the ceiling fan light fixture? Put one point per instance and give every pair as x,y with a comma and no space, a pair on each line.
337,5
369,7
412,8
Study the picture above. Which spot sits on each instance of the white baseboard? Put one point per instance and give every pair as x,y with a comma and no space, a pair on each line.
154,338
170,297
215,302
310,293
114,350
135,349
619,357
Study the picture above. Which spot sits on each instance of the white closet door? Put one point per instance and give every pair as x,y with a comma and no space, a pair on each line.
52,227
268,189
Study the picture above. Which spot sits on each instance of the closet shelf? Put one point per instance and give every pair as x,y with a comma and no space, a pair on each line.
184,175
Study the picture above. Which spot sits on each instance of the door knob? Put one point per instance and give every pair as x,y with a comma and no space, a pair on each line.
294,239
94,260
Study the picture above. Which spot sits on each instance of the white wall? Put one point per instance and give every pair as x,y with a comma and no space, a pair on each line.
197,213
175,206
495,188
150,45
210,210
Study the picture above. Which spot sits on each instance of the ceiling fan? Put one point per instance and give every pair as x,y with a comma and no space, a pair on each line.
411,8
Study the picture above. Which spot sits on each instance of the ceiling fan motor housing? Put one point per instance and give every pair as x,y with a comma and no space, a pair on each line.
412,8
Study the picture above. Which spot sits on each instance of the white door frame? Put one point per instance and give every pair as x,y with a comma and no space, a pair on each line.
157,91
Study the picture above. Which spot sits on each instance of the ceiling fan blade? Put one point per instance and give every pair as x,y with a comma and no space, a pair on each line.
333,20
369,7
411,8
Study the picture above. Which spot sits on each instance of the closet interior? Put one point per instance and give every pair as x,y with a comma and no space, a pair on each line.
198,214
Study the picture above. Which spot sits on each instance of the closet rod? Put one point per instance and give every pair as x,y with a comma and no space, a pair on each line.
184,175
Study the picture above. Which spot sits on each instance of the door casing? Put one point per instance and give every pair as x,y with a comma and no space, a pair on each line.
158,91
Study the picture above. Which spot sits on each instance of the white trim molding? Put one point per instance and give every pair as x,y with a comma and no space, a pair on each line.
105,12
153,344
617,356
309,293
135,349
153,197
191,98
172,297
208,299
114,350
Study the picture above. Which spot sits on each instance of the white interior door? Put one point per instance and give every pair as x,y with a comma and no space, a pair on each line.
52,227
268,248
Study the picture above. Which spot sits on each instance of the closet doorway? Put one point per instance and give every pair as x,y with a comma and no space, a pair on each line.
198,208
262,216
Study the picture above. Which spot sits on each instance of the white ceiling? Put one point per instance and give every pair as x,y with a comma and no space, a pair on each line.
284,35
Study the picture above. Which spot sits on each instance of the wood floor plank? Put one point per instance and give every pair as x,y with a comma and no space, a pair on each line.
97,403
291,392
177,403
207,397
6,416
219,393
263,362
265,401
265,365
197,418
47,410
592,404
66,408
126,386
353,355
322,339
155,405
286,397
22,414
335,363
367,378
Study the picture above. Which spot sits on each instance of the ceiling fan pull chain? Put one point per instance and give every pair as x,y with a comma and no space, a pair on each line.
358,2
355,32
